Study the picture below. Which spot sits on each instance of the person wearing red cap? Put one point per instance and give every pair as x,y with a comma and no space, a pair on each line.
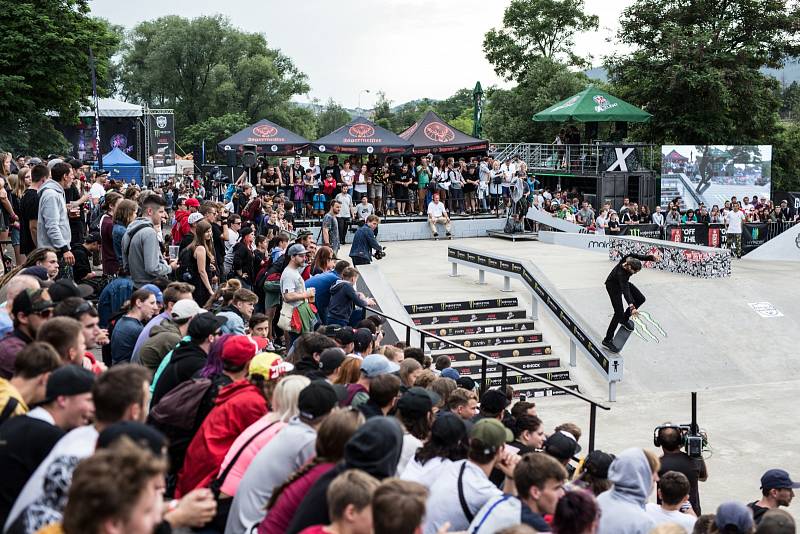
238,405
181,226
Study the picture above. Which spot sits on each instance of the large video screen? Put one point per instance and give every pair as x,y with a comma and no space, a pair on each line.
712,174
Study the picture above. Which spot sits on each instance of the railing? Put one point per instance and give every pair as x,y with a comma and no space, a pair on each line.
581,159
505,368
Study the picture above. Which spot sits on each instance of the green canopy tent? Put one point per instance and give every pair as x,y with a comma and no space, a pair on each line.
592,105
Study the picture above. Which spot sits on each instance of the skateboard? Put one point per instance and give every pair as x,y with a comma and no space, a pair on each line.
621,337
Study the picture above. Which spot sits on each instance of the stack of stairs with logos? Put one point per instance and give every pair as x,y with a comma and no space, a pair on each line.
498,328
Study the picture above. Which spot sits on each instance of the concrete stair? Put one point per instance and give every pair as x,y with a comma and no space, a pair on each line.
499,328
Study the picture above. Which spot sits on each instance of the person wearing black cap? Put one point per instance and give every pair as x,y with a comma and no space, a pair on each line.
447,444
592,475
66,288
415,412
292,447
777,489
374,448
188,357
492,406
83,252
27,440
563,447
328,366
30,310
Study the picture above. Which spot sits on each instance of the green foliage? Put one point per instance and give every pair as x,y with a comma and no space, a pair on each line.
790,98
534,29
383,110
786,158
464,121
44,64
695,66
34,135
205,68
331,117
212,130
507,116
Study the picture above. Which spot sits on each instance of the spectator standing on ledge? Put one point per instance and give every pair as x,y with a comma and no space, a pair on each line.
329,229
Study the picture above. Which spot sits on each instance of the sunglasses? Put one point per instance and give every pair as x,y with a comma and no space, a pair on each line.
44,314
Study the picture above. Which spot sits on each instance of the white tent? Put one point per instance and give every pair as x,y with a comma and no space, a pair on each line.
110,107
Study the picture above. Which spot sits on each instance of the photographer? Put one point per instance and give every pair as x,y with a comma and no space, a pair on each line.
670,438
364,243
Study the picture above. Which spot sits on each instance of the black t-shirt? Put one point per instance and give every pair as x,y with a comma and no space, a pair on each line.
694,469
77,225
219,246
758,511
24,443
28,211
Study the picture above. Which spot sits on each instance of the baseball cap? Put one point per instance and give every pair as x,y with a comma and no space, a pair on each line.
491,433
343,334
597,463
735,514
238,350
93,237
378,364
67,381
777,479
35,161
561,445
302,234
296,250
37,271
137,432
269,365
330,359
101,172
195,217
417,401
155,291
192,202
363,337
53,162
204,324
316,399
448,428
449,372
494,401
185,309
466,383
30,301
65,288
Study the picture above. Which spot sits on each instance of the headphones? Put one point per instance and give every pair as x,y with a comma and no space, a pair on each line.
677,428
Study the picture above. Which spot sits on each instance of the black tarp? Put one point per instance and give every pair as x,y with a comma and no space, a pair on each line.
432,134
270,139
361,136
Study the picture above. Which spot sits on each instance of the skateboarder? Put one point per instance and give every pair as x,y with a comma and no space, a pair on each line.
618,285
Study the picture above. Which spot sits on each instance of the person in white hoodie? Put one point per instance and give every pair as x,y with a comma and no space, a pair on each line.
634,474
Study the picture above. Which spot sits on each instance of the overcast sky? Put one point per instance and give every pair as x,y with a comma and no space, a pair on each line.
407,48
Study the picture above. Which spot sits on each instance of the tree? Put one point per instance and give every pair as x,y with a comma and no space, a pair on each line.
790,98
507,116
382,114
212,130
44,60
695,66
786,158
331,117
535,29
206,68
453,106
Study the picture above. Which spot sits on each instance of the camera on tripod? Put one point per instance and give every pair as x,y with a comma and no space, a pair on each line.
693,440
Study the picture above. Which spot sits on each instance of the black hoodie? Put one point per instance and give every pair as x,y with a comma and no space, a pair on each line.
186,360
374,448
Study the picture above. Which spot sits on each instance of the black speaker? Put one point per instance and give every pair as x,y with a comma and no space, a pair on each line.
249,157
197,156
230,157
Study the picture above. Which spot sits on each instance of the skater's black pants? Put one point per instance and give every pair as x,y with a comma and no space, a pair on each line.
344,225
621,313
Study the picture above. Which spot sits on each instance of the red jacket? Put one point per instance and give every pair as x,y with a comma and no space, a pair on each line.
238,405
181,226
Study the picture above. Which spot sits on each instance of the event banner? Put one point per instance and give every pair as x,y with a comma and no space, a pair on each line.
753,236
162,139
650,231
707,235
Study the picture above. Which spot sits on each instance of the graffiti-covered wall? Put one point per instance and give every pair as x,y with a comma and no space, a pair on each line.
695,261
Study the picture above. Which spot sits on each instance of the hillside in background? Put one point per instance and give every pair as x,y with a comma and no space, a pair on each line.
790,73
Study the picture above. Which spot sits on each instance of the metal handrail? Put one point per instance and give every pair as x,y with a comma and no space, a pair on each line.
505,367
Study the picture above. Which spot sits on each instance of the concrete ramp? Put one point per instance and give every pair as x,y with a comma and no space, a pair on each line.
785,247
694,333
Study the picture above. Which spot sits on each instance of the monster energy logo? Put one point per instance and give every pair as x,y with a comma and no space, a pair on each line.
634,232
647,328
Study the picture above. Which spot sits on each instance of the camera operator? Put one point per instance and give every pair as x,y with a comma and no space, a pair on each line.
670,438
364,242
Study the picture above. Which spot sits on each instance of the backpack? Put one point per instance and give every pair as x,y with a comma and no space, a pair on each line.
178,409
96,218
185,272
8,411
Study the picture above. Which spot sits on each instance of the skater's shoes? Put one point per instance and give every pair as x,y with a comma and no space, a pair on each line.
629,325
609,344
449,235
436,235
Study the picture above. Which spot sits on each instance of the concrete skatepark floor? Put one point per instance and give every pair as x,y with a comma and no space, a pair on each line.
701,335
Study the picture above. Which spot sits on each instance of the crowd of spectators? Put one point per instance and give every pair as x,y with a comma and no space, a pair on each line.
230,381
